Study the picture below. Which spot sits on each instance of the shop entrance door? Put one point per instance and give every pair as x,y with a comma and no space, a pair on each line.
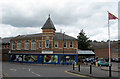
40,58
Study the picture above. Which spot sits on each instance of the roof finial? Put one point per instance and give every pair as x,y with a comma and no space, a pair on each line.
49,15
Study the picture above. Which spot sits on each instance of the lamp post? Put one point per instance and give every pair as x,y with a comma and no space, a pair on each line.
63,48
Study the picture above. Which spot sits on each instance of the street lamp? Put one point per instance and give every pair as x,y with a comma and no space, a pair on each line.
63,48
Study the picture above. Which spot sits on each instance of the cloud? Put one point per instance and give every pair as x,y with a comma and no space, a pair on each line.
69,15
11,31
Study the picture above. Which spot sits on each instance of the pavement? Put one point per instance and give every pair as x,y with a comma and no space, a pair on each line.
113,69
97,72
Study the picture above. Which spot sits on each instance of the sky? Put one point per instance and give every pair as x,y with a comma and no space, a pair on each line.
19,17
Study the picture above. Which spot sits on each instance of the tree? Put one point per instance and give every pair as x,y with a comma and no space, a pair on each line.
83,41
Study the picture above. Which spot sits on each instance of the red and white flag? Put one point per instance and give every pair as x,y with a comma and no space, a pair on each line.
111,16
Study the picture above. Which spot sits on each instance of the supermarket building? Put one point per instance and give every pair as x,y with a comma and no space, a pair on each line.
48,47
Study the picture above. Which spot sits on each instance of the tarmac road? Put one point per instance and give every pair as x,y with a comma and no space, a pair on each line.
37,70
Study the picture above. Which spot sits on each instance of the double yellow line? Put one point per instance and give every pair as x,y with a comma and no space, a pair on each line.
79,75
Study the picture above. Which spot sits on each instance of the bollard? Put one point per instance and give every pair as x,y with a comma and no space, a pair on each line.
97,63
73,66
109,71
90,69
79,67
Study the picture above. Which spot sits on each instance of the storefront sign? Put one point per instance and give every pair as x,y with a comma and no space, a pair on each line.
47,52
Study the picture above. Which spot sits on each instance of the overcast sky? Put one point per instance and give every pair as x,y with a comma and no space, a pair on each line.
18,17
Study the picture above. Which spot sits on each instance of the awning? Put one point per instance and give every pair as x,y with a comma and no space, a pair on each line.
47,52
85,52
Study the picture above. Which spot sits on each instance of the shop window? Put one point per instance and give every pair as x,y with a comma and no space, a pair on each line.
16,57
30,58
40,44
50,58
47,43
33,45
56,44
19,45
13,45
65,44
71,44
26,45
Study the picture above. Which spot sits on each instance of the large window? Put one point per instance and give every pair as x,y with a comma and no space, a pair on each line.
40,44
30,58
71,44
16,57
47,43
65,44
13,45
26,45
33,45
50,58
19,45
56,44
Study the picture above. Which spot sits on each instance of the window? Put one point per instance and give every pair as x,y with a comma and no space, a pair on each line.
56,44
71,44
65,44
47,43
40,44
33,45
13,45
26,45
19,45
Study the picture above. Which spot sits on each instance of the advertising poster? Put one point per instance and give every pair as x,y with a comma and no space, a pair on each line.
16,57
30,58
50,59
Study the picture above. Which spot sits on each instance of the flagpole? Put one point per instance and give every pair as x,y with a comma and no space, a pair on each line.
109,40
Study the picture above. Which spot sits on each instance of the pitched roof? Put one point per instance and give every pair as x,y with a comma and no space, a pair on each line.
6,40
58,36
29,35
61,36
48,24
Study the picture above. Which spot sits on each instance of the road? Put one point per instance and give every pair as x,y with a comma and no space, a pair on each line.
37,70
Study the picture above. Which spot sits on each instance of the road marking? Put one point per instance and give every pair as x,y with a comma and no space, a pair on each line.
79,75
29,69
35,73
13,69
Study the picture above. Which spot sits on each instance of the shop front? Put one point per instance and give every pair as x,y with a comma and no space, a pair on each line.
66,59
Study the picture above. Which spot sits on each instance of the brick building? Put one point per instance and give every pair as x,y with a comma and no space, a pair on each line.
5,48
101,49
48,47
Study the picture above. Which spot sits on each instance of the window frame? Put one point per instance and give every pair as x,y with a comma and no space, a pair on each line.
40,44
33,45
65,43
19,45
13,45
27,45
56,43
70,44
46,43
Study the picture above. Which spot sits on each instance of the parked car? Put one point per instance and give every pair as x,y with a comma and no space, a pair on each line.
117,60
103,63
